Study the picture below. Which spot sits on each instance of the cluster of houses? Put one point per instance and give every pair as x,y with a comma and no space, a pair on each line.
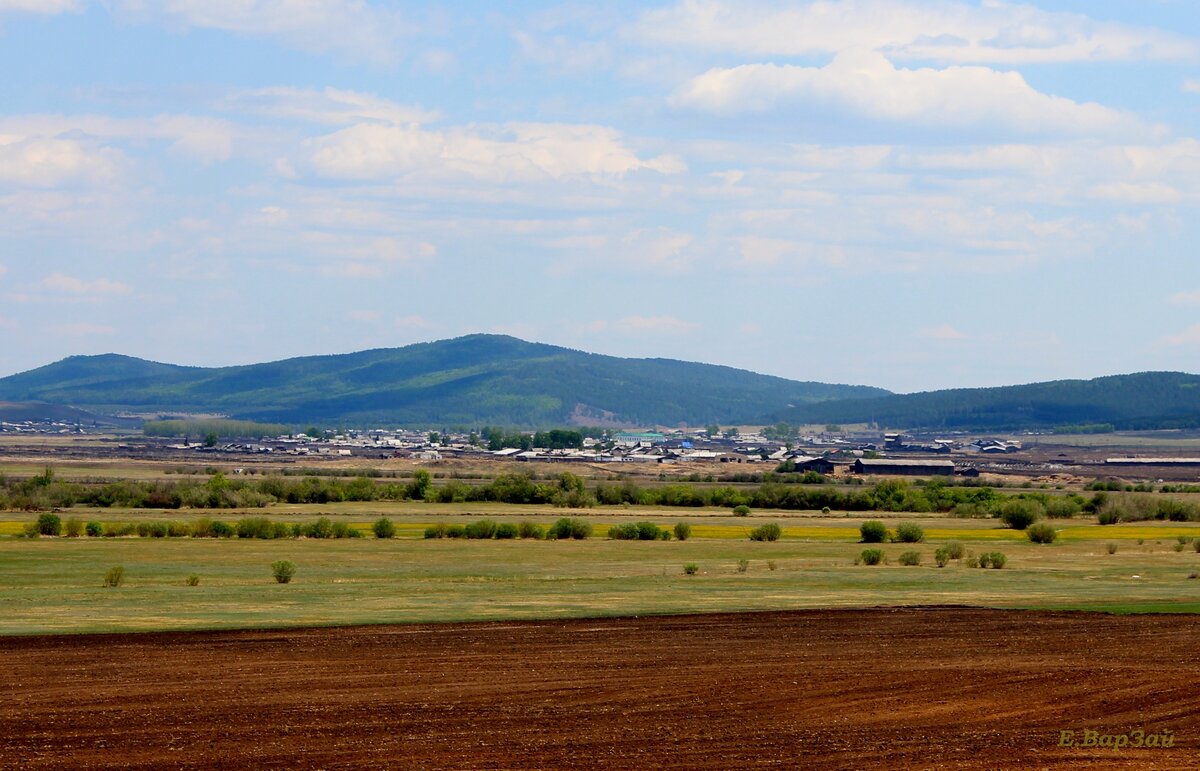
823,454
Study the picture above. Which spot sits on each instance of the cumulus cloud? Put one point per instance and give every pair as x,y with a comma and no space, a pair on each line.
49,162
1191,86
910,30
353,29
515,151
867,84
63,284
330,106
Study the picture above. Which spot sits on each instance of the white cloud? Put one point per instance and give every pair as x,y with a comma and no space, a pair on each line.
633,325
356,256
204,139
1189,336
329,106
941,332
364,316
1191,86
64,284
48,162
3,270
1137,193
47,7
867,84
937,30
412,322
1186,298
353,29
516,151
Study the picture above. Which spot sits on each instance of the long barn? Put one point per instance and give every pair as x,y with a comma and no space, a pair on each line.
897,467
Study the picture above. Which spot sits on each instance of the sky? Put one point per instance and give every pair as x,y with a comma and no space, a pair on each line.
906,194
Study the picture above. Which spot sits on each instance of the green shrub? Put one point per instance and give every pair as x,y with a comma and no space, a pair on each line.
691,569
664,534
825,510
531,530
1111,515
1178,547
254,527
506,530
647,531
993,559
222,530
1111,548
1196,544
1019,513
178,530
384,528
910,558
767,532
569,527
741,510
340,530
870,557
433,531
49,524
909,532
193,580
119,529
683,531
482,529
1062,508
74,528
322,528
94,529
114,576
283,570
955,550
743,565
941,557
1041,533
456,531
873,531
626,531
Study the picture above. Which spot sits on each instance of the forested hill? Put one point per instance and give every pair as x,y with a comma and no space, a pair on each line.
1144,400
469,380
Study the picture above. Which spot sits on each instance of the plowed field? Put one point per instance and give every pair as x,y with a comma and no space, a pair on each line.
916,687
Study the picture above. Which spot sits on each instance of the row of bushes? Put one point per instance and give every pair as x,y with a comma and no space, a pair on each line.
45,492
247,527
565,528
951,551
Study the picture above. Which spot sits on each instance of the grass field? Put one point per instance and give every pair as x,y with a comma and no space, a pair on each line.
53,585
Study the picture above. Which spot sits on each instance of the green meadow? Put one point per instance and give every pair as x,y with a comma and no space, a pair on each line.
54,585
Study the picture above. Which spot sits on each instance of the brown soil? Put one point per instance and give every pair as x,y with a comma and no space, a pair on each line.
935,687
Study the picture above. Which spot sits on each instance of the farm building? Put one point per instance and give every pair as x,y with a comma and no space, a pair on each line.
804,463
904,467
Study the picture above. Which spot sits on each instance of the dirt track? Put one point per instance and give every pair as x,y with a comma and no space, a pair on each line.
817,689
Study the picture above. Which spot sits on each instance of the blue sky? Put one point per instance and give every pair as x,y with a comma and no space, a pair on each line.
907,194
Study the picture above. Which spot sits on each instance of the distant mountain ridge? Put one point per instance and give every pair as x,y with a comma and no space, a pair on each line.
472,380
1143,400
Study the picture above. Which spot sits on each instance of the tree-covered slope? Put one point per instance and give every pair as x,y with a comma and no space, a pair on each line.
468,380
1144,400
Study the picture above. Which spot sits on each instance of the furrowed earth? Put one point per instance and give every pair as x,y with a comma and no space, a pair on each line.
897,687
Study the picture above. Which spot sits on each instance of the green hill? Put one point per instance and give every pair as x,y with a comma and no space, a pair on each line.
1146,400
478,379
